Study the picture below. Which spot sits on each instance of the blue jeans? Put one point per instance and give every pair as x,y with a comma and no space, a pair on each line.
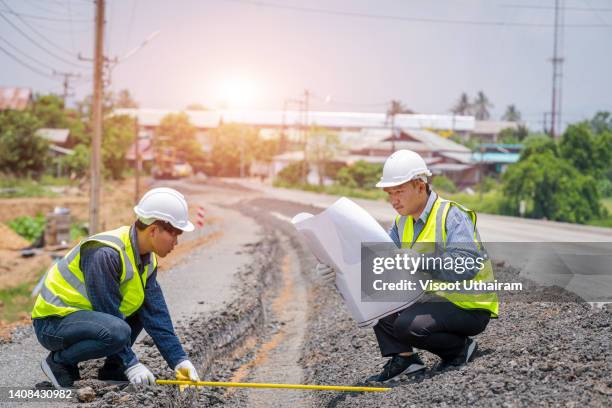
86,335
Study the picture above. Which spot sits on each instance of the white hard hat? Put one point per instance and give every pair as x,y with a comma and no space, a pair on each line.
164,204
401,167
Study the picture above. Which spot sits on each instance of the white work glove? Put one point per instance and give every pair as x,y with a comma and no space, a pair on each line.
186,371
139,374
325,273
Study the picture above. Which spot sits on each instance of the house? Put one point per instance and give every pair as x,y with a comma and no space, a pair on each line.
487,131
15,98
58,142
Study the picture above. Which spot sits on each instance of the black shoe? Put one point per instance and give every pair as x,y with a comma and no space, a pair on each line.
60,375
466,355
398,365
111,371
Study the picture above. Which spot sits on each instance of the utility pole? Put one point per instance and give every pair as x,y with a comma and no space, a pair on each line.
66,83
96,142
306,134
557,73
138,162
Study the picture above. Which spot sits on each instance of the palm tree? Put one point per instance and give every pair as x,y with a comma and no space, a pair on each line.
395,107
481,106
512,114
463,106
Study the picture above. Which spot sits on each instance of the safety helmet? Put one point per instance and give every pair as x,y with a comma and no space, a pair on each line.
164,204
401,167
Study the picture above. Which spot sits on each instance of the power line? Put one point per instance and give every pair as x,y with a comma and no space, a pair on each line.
44,18
38,44
524,6
37,32
35,60
411,19
25,64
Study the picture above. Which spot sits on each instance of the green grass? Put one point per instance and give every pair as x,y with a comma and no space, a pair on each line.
16,301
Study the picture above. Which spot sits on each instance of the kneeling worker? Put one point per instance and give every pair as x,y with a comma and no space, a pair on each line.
442,322
97,299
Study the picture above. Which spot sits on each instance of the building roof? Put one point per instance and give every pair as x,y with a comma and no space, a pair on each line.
59,136
493,126
337,120
153,117
449,167
14,98
60,150
461,157
495,157
433,141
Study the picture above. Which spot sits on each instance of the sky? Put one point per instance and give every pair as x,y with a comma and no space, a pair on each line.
352,55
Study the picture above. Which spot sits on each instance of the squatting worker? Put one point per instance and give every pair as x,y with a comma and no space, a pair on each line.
98,298
441,322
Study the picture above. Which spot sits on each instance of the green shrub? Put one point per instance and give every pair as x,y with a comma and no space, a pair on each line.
293,173
361,174
443,183
30,228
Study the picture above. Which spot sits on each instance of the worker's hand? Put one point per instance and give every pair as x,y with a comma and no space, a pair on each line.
139,374
186,371
325,273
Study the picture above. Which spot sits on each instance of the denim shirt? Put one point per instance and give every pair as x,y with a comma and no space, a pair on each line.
101,266
459,240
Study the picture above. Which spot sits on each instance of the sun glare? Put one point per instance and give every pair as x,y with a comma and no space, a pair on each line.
237,92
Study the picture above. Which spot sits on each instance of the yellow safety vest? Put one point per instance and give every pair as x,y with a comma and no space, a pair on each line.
64,292
432,239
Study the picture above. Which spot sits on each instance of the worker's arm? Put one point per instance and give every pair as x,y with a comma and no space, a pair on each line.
460,245
156,321
101,266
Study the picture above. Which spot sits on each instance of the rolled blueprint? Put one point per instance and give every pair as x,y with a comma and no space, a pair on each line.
335,236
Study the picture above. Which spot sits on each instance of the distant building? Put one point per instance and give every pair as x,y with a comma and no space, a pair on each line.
15,98
487,131
58,142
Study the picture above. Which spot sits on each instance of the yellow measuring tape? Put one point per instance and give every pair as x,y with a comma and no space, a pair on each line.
262,385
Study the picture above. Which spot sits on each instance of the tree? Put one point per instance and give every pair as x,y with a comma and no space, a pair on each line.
229,143
22,152
463,106
196,107
513,136
552,188
396,107
577,146
512,114
322,147
176,130
117,138
601,122
124,100
481,106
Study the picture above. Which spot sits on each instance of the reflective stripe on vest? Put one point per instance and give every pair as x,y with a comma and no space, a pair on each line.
64,291
432,239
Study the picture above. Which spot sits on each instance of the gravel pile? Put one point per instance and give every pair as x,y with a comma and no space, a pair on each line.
535,354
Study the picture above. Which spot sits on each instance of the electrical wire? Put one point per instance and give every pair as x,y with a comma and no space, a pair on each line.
25,64
23,54
44,18
411,19
38,33
38,44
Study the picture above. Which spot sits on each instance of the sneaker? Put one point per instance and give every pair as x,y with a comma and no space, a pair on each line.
112,371
466,355
60,375
398,365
